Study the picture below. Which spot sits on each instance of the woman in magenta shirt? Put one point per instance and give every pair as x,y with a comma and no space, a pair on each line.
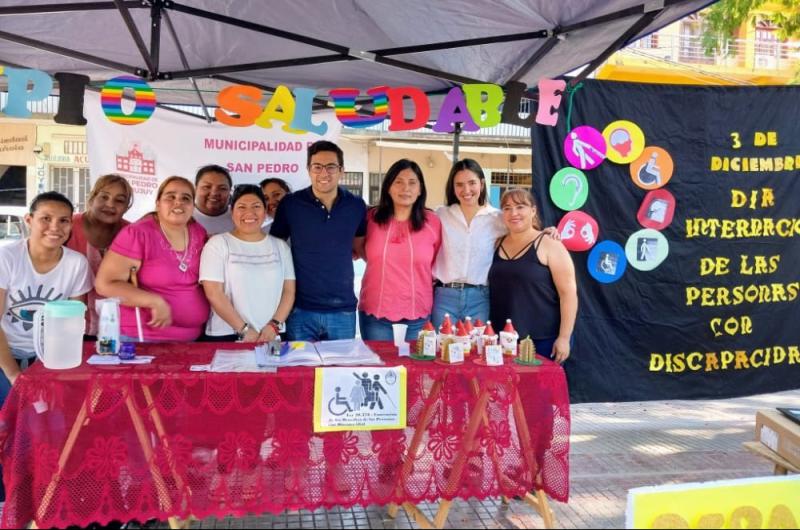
162,252
402,240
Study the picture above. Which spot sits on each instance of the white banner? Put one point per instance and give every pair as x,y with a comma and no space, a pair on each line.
170,143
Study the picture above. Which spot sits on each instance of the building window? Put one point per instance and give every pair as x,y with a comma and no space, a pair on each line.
353,182
375,180
75,147
73,182
506,181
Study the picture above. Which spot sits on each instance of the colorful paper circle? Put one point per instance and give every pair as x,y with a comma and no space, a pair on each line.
625,141
647,249
569,189
653,169
585,147
607,262
579,231
144,100
657,210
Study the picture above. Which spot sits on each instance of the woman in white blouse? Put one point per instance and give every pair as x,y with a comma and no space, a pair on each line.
470,226
470,229
248,277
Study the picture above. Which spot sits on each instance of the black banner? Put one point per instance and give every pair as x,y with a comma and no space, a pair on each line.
720,316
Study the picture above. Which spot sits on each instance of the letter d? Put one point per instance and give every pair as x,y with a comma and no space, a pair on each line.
656,362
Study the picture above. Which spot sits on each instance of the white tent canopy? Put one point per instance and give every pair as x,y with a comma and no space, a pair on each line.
323,44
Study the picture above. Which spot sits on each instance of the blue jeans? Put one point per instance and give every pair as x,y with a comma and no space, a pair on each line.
460,303
374,328
315,325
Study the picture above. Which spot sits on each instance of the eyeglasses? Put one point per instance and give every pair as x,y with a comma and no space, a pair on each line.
330,169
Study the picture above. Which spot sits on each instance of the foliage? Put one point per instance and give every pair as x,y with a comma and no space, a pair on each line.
724,18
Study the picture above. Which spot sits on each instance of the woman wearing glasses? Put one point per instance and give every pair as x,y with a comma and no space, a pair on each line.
161,251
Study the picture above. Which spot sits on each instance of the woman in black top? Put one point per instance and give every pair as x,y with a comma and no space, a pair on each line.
532,280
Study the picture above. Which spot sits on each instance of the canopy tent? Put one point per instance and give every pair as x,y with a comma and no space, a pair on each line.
188,47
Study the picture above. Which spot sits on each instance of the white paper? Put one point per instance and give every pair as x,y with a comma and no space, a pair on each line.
237,361
494,355
456,350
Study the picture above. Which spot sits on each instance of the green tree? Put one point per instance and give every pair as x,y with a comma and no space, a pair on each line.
724,18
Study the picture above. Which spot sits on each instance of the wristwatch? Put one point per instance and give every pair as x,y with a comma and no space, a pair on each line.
277,325
242,332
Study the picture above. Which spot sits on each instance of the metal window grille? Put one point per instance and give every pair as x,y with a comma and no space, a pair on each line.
354,182
375,180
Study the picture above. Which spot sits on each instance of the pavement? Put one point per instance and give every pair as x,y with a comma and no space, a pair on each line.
615,447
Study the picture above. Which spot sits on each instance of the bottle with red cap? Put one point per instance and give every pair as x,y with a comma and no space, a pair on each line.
470,329
463,337
426,340
445,332
509,339
487,338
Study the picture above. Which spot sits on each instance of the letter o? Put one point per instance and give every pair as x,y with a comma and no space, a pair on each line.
144,100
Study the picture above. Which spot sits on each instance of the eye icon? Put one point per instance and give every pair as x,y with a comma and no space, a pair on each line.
24,306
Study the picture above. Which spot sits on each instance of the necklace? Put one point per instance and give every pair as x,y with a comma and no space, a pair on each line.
182,265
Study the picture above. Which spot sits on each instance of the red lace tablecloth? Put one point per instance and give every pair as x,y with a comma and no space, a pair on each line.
218,444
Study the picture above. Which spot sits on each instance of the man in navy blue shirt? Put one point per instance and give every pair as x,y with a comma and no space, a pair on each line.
325,225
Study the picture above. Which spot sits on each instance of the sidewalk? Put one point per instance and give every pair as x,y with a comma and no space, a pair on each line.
615,447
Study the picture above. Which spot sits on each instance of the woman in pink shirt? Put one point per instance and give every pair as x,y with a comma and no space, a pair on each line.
94,230
162,251
402,240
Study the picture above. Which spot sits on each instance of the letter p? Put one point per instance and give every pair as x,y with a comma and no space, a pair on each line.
18,93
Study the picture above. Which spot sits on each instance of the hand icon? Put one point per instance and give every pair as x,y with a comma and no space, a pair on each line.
587,233
569,230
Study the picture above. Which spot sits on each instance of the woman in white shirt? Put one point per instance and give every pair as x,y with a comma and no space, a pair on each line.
248,276
470,230
470,227
35,271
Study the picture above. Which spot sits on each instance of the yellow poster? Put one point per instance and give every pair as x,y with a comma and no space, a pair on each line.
359,399
770,502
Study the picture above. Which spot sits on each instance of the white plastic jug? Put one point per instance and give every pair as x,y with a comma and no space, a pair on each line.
58,329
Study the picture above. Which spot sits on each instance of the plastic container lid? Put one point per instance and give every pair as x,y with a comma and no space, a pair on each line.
65,309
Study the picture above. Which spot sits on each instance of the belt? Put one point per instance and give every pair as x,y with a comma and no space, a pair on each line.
456,285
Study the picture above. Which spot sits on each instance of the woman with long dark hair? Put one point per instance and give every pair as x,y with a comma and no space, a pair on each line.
470,226
402,241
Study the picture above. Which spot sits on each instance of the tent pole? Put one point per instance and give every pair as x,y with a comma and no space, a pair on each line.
185,63
456,142
73,54
65,8
155,36
634,30
137,37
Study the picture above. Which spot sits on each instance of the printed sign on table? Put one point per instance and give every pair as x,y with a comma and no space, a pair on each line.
359,399
769,502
